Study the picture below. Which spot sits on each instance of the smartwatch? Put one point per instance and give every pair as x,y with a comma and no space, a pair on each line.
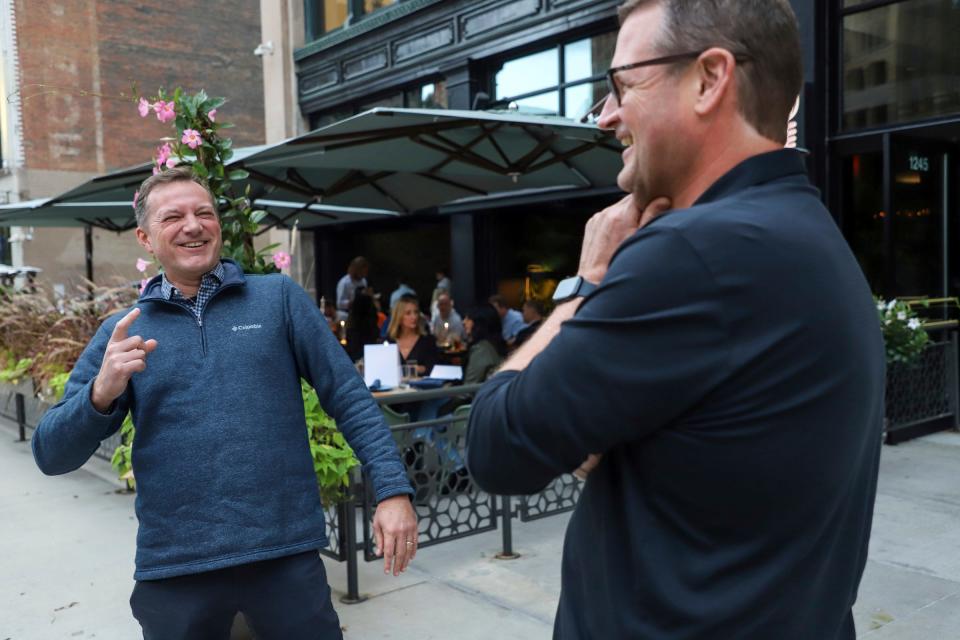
572,288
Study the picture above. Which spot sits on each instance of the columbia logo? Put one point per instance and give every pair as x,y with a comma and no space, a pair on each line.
247,327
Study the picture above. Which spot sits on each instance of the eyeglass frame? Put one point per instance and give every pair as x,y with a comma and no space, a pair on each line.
614,90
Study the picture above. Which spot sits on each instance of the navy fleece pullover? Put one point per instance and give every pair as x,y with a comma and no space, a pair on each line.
221,456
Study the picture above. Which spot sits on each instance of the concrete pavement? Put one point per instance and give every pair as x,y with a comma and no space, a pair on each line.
68,545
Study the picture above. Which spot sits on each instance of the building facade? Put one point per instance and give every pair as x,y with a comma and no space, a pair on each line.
69,71
879,115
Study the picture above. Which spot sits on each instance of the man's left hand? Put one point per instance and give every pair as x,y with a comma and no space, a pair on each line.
395,533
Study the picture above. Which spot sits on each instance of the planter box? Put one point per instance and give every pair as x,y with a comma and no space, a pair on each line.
922,397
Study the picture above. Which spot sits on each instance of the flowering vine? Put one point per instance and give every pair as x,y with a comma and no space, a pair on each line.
198,143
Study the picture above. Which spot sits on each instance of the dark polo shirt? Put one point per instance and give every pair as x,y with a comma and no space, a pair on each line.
730,368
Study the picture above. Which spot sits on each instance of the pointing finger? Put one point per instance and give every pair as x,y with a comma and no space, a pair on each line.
123,326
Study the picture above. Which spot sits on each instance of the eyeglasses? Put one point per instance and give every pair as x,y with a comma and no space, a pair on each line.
614,89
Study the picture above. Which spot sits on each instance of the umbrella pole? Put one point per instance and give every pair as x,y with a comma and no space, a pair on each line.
88,251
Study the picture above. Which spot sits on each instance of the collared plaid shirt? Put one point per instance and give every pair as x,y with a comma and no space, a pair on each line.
208,284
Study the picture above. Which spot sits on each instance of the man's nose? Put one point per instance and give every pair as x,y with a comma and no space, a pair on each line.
607,119
191,223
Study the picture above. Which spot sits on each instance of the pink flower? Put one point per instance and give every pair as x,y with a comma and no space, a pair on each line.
143,107
156,170
165,112
142,265
191,138
136,194
171,163
282,260
212,115
163,153
143,284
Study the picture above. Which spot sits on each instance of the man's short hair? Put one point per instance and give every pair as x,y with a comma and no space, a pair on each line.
764,31
168,176
358,263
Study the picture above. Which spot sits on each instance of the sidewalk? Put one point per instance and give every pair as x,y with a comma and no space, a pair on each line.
68,545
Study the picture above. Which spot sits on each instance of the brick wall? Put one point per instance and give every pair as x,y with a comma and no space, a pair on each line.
107,46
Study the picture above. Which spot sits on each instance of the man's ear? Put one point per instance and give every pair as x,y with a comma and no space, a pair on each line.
144,240
715,79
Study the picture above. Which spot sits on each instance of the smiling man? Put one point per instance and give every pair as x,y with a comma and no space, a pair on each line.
715,370
227,499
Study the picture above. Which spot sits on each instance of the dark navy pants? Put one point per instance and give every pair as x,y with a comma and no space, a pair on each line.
283,599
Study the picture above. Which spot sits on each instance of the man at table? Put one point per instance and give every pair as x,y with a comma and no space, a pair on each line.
718,362
511,320
227,502
446,325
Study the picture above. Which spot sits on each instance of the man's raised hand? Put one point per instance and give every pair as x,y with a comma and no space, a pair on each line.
124,357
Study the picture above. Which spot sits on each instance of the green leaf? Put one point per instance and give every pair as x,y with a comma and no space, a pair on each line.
200,170
238,174
212,103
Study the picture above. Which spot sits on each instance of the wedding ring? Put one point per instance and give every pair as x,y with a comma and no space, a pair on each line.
409,543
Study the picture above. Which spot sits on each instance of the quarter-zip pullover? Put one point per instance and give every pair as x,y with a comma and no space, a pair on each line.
222,460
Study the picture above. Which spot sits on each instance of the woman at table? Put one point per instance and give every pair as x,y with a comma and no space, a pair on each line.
485,346
413,342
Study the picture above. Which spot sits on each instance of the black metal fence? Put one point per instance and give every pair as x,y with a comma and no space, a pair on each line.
448,504
923,396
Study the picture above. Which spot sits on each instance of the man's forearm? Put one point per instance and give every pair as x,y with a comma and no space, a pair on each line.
523,356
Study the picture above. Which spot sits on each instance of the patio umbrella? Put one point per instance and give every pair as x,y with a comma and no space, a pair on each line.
411,160
48,212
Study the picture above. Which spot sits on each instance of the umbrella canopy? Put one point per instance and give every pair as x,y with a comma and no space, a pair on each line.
414,159
372,165
47,212
105,201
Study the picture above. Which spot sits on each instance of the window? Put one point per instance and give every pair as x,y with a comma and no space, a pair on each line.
564,80
900,62
323,16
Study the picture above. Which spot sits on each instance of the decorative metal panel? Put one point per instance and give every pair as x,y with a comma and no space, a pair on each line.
559,496
503,15
420,44
367,63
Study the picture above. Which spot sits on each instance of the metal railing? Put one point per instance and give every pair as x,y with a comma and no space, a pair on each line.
448,504
925,391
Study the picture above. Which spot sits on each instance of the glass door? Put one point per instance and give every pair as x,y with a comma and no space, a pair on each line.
919,204
898,215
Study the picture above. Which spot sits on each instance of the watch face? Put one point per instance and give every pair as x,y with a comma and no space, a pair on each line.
566,288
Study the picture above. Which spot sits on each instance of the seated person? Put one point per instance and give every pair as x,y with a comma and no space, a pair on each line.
410,335
446,324
485,346
361,324
511,322
533,313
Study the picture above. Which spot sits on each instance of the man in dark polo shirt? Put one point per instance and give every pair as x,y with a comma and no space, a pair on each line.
717,366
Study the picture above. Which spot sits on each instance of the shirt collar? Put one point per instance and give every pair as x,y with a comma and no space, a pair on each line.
217,274
753,171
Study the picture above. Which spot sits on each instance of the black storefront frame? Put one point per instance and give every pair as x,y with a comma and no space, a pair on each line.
841,144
